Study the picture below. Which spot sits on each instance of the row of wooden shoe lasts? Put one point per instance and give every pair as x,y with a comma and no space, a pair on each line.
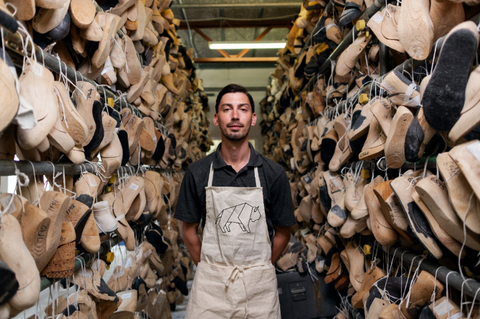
159,79
131,47
43,231
331,135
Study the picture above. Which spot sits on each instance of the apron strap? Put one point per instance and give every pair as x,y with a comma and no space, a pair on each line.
210,175
233,275
257,177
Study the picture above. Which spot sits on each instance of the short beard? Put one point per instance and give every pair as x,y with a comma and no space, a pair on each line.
235,138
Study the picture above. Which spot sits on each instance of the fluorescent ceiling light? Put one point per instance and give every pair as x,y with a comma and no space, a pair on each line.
245,45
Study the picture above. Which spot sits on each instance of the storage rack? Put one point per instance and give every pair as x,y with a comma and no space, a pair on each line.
13,43
453,279
8,167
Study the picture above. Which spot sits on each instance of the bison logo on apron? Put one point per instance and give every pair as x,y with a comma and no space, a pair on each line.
241,214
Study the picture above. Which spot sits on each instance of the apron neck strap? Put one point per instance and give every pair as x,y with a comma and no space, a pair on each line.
255,169
210,175
257,178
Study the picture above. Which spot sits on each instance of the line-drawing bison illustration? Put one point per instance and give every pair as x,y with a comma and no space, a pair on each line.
241,214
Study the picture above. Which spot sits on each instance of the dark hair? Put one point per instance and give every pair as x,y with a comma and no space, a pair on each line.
234,88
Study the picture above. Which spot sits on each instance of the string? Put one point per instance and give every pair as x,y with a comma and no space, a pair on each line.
63,107
3,46
414,277
434,54
473,304
36,186
434,295
461,293
464,238
447,292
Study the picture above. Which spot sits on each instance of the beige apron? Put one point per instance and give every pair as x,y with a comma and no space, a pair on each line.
235,277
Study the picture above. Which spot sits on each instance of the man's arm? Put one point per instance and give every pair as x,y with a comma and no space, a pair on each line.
280,241
192,241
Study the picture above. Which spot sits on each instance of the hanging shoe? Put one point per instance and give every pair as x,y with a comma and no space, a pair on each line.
374,145
459,192
35,224
337,214
420,293
445,16
36,87
46,20
444,96
16,255
9,284
443,237
470,114
396,140
384,233
73,121
55,205
110,24
9,95
360,121
25,9
82,13
124,231
433,192
353,9
371,276
84,97
415,28
384,24
62,264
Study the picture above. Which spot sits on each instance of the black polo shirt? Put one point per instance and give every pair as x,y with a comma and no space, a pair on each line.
191,205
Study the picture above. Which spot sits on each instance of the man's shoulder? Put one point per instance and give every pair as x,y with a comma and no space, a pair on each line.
201,165
271,166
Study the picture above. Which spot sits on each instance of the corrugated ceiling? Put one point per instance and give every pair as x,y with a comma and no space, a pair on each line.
227,20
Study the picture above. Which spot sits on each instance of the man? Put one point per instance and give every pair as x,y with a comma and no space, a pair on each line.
243,201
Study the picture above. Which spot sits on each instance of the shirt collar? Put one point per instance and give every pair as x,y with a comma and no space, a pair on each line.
254,161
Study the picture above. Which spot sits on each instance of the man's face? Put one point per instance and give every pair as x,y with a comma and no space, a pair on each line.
234,116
